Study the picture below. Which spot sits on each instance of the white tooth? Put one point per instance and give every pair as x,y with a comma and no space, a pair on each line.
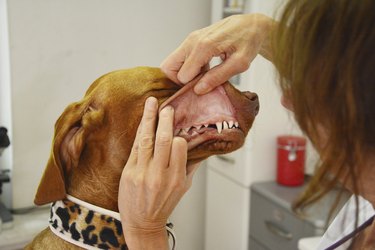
206,125
225,125
231,124
194,133
236,124
198,127
186,129
219,127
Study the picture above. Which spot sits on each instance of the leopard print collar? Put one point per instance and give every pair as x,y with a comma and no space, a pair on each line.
89,226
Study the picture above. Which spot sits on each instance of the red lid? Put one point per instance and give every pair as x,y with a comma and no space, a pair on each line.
291,140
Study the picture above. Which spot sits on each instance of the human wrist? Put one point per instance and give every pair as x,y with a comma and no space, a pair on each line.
145,239
265,26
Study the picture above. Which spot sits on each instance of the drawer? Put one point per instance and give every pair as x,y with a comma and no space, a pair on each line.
275,227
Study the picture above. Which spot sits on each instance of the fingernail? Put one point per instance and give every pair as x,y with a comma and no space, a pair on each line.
201,88
151,103
168,109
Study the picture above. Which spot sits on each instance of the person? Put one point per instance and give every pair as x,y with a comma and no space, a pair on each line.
324,53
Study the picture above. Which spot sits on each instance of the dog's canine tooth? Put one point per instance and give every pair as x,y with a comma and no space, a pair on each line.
225,125
198,127
236,124
231,124
219,127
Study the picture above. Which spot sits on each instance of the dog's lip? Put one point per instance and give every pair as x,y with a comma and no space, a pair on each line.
211,135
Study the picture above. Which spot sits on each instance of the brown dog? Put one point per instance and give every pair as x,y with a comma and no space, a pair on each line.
93,139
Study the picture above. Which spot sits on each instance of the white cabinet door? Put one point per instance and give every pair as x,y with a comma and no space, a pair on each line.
227,214
235,165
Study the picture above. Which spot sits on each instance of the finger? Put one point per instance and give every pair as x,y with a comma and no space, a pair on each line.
178,158
134,151
221,73
147,134
172,64
193,65
164,136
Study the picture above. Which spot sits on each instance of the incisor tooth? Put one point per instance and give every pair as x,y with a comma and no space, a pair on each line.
231,124
225,125
219,127
236,124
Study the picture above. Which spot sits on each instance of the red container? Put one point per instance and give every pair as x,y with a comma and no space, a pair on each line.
290,160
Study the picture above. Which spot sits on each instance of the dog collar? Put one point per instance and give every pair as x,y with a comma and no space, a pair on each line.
90,227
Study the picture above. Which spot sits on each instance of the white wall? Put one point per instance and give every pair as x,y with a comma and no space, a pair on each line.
58,48
5,97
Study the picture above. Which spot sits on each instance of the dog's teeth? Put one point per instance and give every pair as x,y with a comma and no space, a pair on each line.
219,127
186,129
194,133
206,125
225,125
231,124
236,124
198,127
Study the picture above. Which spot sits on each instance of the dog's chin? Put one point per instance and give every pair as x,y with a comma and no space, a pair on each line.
210,142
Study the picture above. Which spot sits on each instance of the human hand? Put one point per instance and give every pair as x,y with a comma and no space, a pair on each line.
154,178
236,40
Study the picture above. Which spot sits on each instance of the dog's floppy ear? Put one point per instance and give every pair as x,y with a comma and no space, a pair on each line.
71,131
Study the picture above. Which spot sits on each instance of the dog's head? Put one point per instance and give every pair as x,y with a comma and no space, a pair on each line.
98,131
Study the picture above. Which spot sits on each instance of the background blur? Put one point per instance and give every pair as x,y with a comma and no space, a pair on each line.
52,50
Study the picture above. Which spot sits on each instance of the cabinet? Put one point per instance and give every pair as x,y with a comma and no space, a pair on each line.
274,226
229,177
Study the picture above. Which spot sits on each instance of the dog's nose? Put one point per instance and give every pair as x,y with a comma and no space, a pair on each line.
253,97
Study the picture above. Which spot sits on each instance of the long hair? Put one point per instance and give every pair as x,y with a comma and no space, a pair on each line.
324,51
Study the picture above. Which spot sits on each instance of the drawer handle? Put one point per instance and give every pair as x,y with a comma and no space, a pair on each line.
226,159
277,230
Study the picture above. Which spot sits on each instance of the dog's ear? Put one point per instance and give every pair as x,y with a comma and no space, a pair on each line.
71,131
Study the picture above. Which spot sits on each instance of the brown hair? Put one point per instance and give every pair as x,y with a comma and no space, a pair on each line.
324,51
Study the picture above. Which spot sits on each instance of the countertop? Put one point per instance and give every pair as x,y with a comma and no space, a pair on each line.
25,227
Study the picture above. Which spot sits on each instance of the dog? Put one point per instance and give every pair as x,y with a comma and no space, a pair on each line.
93,139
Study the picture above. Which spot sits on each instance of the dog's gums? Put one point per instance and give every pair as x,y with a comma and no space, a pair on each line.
208,121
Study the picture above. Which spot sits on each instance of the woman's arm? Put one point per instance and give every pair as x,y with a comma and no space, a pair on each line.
236,39
154,179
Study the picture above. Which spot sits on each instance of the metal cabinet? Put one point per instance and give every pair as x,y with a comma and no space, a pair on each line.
273,225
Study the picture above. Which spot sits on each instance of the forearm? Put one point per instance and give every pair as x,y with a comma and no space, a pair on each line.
147,240
266,25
